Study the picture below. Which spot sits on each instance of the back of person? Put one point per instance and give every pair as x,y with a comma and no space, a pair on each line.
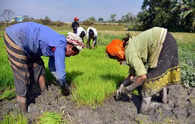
75,24
34,38
91,32
147,45
81,32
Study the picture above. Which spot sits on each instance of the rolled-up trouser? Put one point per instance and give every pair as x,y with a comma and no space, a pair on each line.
25,70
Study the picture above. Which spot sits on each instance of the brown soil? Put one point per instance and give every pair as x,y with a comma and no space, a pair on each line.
180,109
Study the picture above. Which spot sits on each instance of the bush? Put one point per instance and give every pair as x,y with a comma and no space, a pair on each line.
187,63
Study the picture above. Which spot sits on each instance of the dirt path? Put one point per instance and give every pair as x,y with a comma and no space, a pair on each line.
180,110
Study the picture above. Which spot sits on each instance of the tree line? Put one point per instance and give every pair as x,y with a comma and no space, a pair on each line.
175,15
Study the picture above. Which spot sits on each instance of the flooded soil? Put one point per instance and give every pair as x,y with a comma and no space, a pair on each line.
179,110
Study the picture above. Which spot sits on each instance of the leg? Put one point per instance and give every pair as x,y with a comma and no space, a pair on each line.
88,42
94,42
164,99
145,104
21,100
18,62
39,73
42,83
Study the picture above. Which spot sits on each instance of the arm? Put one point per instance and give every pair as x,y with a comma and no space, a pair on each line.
140,71
60,64
137,68
137,82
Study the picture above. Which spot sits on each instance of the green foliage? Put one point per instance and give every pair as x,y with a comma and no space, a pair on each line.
46,20
7,94
51,118
94,76
187,63
14,119
6,75
112,17
100,19
176,15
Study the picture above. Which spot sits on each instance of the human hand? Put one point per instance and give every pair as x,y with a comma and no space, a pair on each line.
120,91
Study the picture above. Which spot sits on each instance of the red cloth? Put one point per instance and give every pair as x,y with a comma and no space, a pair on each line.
116,49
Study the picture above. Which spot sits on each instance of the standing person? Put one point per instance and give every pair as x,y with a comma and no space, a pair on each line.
75,24
25,44
155,48
91,35
81,32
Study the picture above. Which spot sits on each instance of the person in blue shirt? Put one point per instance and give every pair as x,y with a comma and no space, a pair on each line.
26,43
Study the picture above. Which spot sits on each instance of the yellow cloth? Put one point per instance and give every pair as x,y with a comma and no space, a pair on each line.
154,85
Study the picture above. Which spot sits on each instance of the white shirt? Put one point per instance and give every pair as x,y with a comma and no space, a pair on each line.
79,30
93,29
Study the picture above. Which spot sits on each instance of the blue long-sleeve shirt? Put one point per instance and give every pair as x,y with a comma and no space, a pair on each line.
38,40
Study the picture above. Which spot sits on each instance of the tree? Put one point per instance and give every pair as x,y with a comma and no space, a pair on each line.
91,19
100,19
7,15
112,17
27,18
46,20
187,14
176,15
128,18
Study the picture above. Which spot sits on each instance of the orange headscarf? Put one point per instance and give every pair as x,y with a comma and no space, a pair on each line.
116,49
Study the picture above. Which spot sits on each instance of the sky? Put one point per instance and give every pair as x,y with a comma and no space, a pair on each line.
66,10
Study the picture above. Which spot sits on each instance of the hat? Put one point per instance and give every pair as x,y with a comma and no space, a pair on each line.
76,19
116,49
75,40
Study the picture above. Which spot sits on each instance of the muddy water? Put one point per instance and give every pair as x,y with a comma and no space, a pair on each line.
180,109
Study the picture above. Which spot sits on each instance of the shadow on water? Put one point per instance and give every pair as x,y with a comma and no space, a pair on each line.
34,89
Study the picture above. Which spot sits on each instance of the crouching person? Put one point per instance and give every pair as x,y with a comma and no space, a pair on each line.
155,48
81,33
25,44
91,35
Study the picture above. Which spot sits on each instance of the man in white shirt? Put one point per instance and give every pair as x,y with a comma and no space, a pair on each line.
81,32
91,34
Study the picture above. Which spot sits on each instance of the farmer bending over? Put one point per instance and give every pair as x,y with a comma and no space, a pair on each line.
25,44
75,24
91,35
155,48
81,32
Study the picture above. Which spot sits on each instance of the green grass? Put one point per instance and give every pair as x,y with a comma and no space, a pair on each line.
51,118
45,118
94,76
6,75
14,119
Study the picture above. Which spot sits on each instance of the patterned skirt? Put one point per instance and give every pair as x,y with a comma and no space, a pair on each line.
167,71
25,70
